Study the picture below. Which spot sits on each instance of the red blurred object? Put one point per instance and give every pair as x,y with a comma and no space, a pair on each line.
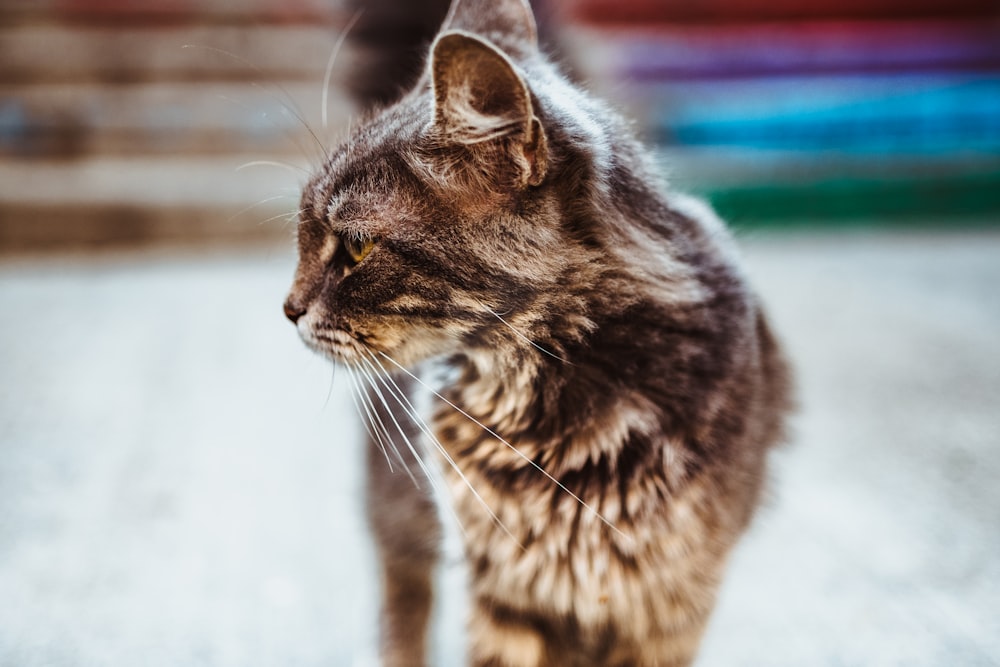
137,12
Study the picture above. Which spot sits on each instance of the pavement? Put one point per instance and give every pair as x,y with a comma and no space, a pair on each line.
180,480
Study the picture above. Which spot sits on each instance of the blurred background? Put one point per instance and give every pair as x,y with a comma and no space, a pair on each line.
180,479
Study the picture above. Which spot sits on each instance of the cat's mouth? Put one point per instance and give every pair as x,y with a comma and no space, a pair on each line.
375,343
335,344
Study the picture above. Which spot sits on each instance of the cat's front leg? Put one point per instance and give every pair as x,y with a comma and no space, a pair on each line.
500,639
407,535
675,650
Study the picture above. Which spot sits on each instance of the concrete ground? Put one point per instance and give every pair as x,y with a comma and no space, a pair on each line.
180,480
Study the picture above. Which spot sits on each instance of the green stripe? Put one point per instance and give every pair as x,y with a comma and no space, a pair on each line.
971,198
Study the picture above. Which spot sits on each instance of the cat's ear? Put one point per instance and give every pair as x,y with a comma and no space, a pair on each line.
481,101
507,23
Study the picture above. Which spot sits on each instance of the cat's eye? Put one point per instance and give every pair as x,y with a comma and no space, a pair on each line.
357,248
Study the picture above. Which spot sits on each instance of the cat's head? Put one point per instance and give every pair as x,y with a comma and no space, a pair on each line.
441,220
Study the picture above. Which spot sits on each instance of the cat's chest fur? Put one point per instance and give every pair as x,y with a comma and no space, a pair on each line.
594,534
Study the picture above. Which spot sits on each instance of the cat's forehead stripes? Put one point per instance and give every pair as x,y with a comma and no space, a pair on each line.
371,155
369,195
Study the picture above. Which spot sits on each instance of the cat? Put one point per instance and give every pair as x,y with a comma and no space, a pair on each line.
614,384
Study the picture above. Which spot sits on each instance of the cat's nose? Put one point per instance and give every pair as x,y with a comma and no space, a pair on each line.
294,311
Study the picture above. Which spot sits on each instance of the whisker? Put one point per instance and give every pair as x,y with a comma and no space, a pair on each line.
403,401
391,444
378,394
526,339
291,106
369,423
400,396
290,215
514,449
283,128
407,406
329,391
265,200
333,57
273,163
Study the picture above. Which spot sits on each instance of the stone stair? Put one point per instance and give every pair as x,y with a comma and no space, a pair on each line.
125,123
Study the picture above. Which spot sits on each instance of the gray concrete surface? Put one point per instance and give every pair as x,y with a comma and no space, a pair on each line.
180,485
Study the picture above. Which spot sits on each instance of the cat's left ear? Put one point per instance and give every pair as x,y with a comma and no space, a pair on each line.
481,101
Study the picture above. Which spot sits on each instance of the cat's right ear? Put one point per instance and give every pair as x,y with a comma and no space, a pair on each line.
483,103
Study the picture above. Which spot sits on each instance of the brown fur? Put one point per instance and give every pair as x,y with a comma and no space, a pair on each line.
617,386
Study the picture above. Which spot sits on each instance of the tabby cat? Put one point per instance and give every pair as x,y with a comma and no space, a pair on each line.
613,384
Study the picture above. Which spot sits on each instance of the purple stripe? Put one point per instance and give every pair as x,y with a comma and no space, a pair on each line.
807,48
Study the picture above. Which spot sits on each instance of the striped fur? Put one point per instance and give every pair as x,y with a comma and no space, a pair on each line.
616,386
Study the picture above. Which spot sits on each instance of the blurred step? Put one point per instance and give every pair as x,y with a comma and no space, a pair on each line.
59,53
140,12
48,203
129,121
159,118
